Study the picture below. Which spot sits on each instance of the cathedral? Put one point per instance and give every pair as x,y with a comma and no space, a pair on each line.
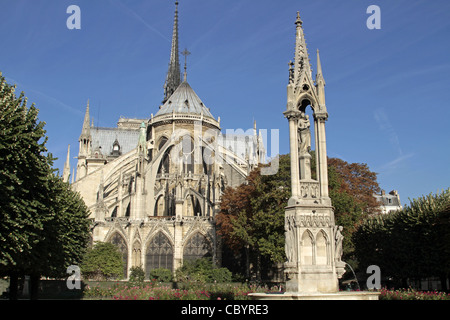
154,186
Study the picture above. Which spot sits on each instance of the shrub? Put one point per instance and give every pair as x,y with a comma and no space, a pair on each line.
411,294
103,261
161,275
220,275
222,291
137,276
203,271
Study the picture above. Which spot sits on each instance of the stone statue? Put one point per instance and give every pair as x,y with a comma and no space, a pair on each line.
290,244
338,244
304,134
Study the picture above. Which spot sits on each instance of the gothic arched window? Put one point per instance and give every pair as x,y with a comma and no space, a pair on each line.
160,208
119,241
159,254
306,253
188,154
321,249
197,247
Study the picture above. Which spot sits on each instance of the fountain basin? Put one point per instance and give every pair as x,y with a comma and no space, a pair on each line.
341,295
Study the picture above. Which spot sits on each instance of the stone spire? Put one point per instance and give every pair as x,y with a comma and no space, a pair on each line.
85,137
319,75
320,83
66,171
173,78
302,65
86,130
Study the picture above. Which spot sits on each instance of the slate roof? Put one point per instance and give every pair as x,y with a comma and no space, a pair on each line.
104,138
387,200
184,100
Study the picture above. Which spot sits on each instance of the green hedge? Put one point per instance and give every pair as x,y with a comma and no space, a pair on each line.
410,243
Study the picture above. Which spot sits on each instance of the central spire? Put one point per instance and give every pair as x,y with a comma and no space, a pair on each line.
173,78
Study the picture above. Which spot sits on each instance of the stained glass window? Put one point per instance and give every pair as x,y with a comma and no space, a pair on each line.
159,254
197,247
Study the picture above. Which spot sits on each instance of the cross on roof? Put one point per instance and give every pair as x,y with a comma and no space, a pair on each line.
185,53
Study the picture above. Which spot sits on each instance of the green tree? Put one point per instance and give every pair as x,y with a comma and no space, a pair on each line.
410,243
23,182
102,261
43,224
251,219
67,233
351,189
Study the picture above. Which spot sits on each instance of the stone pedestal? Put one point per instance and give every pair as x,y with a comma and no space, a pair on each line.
305,166
310,248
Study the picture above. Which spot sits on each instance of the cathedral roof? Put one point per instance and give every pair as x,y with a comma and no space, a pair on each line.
184,100
103,139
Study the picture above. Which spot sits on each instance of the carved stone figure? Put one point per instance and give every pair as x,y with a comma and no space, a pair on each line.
338,244
304,134
290,246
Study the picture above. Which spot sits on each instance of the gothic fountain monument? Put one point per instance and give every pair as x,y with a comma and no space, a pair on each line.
313,240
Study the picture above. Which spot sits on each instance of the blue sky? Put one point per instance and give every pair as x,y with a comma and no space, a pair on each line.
387,90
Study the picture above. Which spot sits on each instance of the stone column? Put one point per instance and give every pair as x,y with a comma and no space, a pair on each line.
322,155
292,117
178,248
305,166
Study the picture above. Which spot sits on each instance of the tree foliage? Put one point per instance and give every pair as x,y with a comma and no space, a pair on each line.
351,188
203,271
161,275
24,174
410,243
137,276
67,234
43,223
251,219
102,262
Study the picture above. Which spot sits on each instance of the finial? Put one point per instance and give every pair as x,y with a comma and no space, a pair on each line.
298,21
319,65
185,53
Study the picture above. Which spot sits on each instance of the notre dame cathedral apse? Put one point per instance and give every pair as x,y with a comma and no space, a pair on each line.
154,186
